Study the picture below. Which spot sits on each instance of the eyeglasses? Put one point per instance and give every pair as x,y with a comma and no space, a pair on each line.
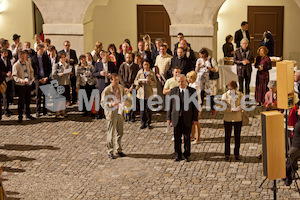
67,45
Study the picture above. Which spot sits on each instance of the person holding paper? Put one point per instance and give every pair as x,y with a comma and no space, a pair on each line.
232,118
145,81
63,79
111,101
23,76
85,79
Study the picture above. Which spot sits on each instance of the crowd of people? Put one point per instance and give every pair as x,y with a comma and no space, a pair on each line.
121,71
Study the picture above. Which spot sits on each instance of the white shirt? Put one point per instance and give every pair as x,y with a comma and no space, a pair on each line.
182,89
105,68
244,34
35,44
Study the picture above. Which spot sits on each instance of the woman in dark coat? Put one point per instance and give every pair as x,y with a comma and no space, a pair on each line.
262,63
228,47
268,42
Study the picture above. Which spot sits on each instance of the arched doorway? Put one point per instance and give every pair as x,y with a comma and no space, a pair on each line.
38,20
233,12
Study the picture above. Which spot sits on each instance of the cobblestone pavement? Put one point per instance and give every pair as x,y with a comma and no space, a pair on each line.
43,159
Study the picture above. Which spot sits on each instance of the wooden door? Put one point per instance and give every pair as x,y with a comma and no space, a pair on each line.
262,18
153,20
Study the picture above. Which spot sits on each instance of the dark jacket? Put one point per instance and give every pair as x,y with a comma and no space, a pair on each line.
269,44
239,56
190,115
183,63
154,54
46,65
176,46
127,74
296,137
2,74
266,62
191,57
101,79
120,59
4,67
227,49
238,36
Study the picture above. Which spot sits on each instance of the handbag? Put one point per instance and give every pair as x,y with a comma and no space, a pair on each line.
3,87
245,118
213,75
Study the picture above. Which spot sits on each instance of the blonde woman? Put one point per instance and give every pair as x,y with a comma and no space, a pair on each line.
147,39
191,78
96,52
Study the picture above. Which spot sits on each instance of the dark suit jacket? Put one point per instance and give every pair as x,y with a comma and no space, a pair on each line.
4,67
2,74
238,36
183,63
120,59
46,65
154,54
127,74
176,46
239,56
101,79
189,115
31,52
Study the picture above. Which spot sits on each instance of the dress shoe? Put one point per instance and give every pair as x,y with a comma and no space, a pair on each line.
46,114
177,159
187,159
20,120
133,120
7,114
111,156
143,126
38,115
227,157
237,157
121,154
30,117
149,127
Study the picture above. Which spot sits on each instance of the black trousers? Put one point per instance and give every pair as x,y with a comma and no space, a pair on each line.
88,89
1,97
74,93
237,136
24,99
39,96
7,96
247,80
179,131
145,112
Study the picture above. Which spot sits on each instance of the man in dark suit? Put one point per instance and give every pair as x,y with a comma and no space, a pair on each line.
2,78
183,118
181,61
156,52
241,33
72,60
121,56
189,53
141,51
42,70
6,66
180,37
27,47
102,72
243,58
